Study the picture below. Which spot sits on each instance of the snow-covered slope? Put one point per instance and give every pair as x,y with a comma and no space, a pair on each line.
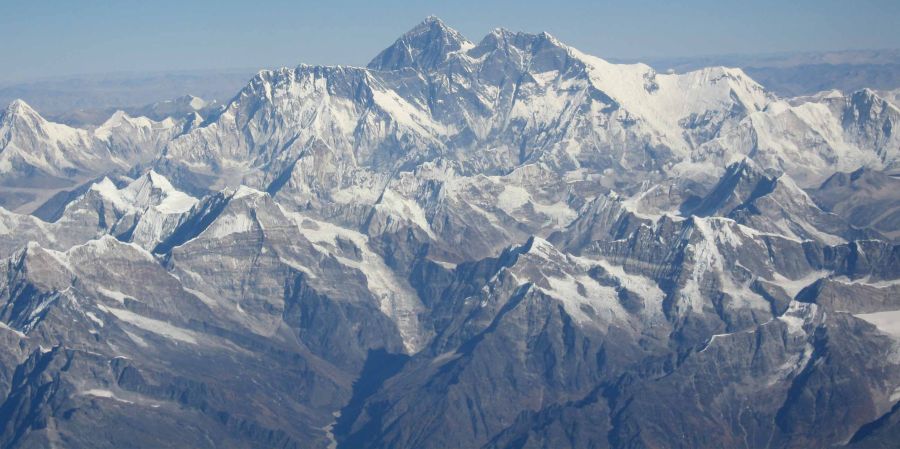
39,157
31,144
515,98
496,244
435,112
813,137
142,211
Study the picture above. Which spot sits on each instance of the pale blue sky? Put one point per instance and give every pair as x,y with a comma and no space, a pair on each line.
45,38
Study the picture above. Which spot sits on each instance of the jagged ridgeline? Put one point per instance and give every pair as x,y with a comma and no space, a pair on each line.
501,244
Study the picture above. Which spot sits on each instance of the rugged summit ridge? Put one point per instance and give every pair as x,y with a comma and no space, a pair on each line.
424,47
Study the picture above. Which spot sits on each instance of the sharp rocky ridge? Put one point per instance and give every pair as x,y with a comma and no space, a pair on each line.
497,244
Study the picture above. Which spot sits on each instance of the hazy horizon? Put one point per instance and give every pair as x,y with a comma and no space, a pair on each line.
58,39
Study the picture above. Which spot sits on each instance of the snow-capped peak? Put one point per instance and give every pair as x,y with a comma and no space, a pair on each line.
196,103
425,46
19,106
27,139
118,119
159,181
154,189
150,190
151,181
18,110
188,101
243,191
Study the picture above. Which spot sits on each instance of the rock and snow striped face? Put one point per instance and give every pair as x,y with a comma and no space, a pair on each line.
519,237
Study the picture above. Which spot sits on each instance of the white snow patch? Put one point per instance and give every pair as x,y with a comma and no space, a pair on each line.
176,203
447,265
401,207
3,325
155,326
244,191
793,286
405,114
895,395
94,318
512,198
113,294
397,299
110,192
578,292
887,322
645,287
231,224
106,394
200,295
797,315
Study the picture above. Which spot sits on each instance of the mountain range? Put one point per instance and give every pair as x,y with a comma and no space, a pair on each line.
497,244
802,73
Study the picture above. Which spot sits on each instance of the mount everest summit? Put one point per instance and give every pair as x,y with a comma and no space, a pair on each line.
496,244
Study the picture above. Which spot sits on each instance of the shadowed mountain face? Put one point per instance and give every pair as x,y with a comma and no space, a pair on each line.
496,244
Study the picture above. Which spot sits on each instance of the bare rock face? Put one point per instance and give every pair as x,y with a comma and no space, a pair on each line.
502,244
865,198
